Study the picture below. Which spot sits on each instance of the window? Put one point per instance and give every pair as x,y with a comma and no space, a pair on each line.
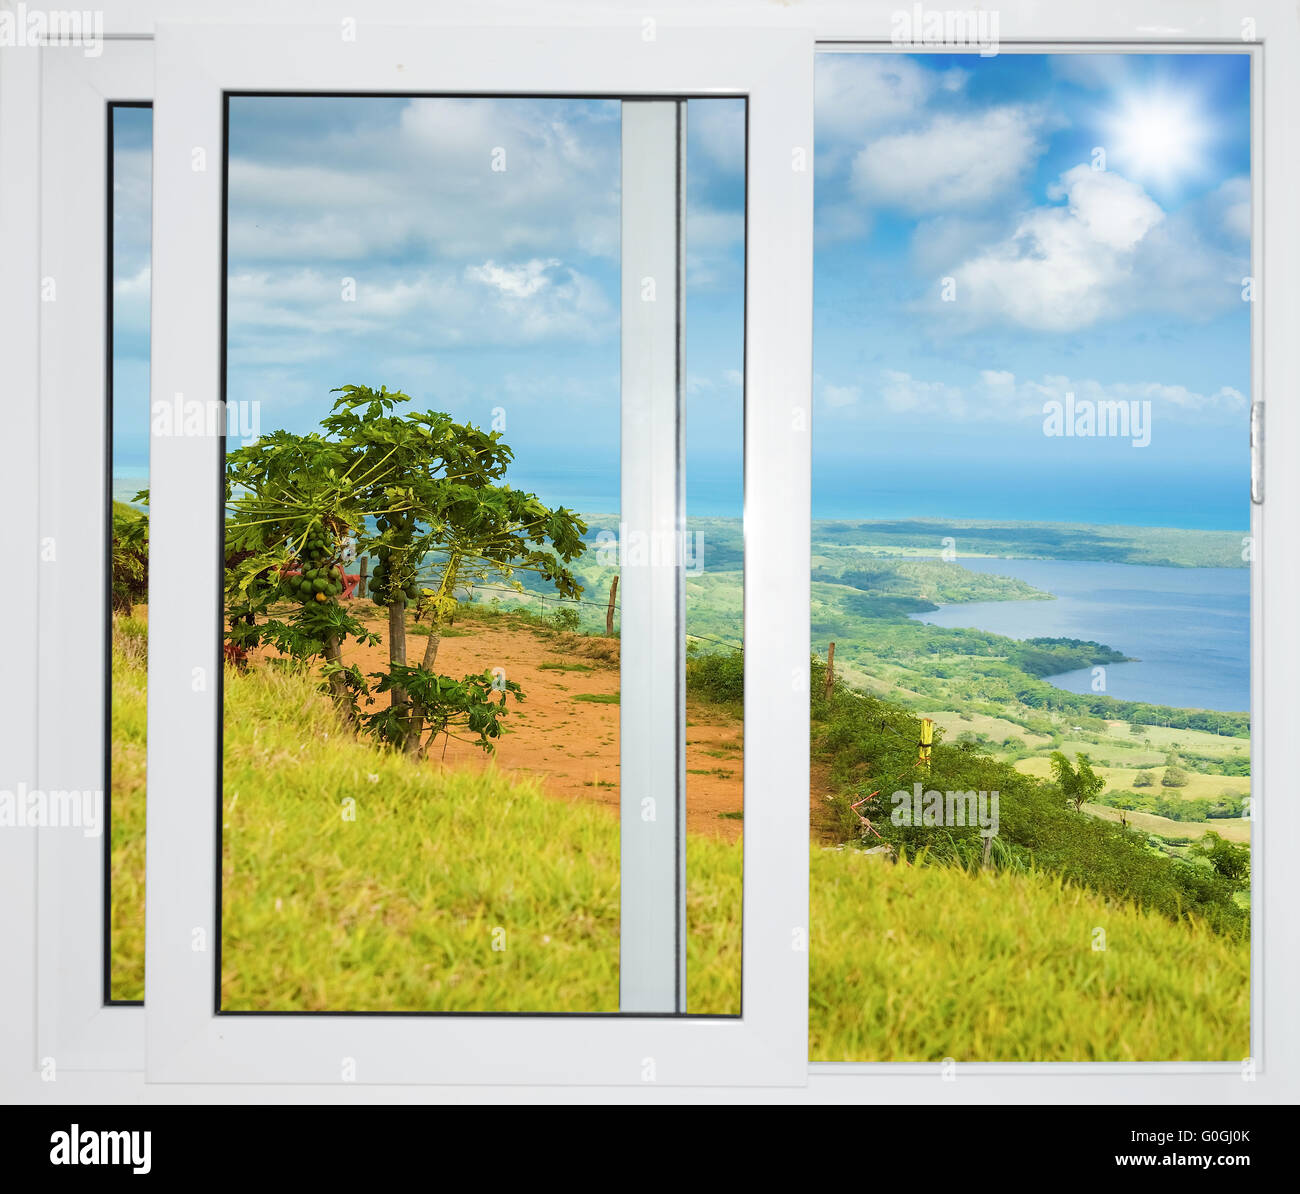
442,833
429,884
989,289
130,150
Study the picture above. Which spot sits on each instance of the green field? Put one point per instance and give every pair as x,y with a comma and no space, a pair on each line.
924,963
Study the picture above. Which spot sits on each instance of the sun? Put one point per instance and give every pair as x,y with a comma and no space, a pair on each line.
1157,135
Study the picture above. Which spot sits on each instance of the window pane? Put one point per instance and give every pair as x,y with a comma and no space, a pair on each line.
1031,754
131,135
714,551
422,725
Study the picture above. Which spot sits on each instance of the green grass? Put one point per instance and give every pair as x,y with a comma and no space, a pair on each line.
598,698
396,909
126,810
924,963
400,908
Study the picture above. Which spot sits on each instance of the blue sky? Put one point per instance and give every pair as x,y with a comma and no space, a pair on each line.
132,206
372,242
480,289
1115,284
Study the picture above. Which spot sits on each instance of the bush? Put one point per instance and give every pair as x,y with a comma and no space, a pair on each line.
717,676
566,619
130,558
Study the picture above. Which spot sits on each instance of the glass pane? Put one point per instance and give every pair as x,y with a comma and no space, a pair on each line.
714,552
129,163
1031,752
422,692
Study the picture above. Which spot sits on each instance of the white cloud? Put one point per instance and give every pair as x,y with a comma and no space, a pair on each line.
997,395
1062,267
1108,251
1113,211
423,179
859,93
516,281
717,128
836,396
905,394
714,238
434,307
956,161
1232,200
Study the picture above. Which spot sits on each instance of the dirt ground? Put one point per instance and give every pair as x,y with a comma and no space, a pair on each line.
572,746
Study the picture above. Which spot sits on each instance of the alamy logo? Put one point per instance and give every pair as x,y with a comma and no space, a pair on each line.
920,26
78,1147
183,416
1117,419
967,809
34,808
641,549
40,27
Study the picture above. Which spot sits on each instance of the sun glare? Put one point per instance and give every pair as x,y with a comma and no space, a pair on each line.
1158,136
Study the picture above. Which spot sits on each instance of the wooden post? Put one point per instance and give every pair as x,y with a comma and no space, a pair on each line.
830,671
609,613
988,849
361,584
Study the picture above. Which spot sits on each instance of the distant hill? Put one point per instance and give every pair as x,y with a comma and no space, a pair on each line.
1169,546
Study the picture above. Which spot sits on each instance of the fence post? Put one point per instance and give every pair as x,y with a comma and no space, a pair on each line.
609,613
361,584
830,671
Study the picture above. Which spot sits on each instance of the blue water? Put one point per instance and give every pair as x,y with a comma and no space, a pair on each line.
1187,629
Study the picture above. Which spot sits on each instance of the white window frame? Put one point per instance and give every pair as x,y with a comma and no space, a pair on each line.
187,1040
76,1028
1272,38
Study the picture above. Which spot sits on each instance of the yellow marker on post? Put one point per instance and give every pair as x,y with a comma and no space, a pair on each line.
927,740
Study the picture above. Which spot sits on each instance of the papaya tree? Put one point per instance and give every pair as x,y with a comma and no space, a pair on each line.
443,516
292,502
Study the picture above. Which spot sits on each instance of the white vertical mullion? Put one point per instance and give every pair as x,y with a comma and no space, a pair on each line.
652,938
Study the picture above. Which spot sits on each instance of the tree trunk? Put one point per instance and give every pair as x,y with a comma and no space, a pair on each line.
397,655
416,720
338,686
417,710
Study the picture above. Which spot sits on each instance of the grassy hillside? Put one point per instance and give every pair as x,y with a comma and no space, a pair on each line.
127,808
866,748
356,879
922,963
397,908
450,891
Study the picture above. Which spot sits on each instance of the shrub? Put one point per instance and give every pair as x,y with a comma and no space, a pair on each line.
717,676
